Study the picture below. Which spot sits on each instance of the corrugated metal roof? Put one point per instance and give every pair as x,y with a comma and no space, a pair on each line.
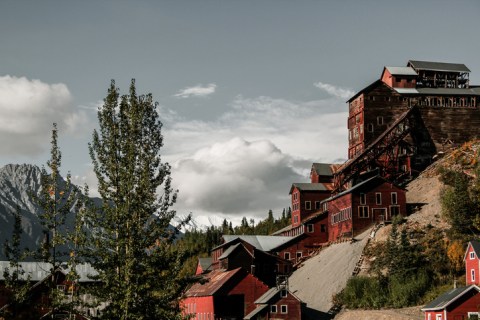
406,71
447,91
205,263
406,90
448,297
212,282
255,312
310,186
438,66
230,249
323,169
39,270
264,243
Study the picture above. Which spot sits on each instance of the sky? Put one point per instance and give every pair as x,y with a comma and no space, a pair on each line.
250,93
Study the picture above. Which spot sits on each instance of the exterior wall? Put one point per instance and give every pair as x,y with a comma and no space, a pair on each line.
433,315
300,208
251,288
339,229
387,77
293,305
355,219
472,265
239,258
198,307
356,126
467,303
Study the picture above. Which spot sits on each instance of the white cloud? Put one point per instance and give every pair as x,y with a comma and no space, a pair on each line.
246,159
197,91
235,177
335,91
27,110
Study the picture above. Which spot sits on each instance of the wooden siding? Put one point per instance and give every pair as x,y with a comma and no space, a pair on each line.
472,265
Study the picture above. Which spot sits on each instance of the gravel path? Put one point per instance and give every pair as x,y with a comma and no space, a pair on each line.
327,273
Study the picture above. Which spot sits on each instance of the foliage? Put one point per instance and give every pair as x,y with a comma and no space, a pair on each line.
455,253
15,279
56,199
132,244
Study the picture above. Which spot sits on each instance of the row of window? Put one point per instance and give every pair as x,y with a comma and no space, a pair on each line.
308,205
343,215
447,101
378,198
364,212
283,308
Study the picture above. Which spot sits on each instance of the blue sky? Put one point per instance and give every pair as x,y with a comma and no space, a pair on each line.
250,92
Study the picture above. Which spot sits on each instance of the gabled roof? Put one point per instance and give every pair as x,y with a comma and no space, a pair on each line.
367,88
324,169
229,251
205,263
212,282
405,71
438,66
264,243
448,297
308,186
475,244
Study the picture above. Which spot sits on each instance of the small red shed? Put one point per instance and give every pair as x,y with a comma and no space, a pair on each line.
277,303
472,263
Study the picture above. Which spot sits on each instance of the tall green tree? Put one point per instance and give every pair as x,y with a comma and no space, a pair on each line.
56,199
132,244
15,278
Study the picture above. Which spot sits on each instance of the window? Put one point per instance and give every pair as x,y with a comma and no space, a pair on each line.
378,198
363,198
472,275
299,254
286,255
438,317
317,205
370,127
295,219
323,228
473,315
309,228
308,205
363,212
380,120
394,210
284,308
472,255
283,293
394,197
273,309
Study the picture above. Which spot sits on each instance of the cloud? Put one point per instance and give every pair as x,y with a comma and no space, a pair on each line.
335,91
27,110
197,91
246,159
235,177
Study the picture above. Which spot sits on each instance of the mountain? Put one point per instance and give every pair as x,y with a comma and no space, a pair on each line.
17,183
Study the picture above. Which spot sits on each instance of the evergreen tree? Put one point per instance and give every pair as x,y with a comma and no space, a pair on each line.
132,245
56,199
15,279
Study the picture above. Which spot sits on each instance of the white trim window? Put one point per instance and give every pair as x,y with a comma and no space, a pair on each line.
363,211
310,228
378,198
394,198
438,317
308,205
284,309
283,293
472,255
273,309
363,198
286,255
472,275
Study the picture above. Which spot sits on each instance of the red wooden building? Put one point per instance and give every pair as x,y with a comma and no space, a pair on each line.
472,263
259,255
460,303
223,294
277,303
372,201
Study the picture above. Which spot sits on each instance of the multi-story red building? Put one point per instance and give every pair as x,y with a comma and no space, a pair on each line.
372,201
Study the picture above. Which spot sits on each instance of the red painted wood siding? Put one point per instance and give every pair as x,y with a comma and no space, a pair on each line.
472,265
467,303
294,308
252,289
